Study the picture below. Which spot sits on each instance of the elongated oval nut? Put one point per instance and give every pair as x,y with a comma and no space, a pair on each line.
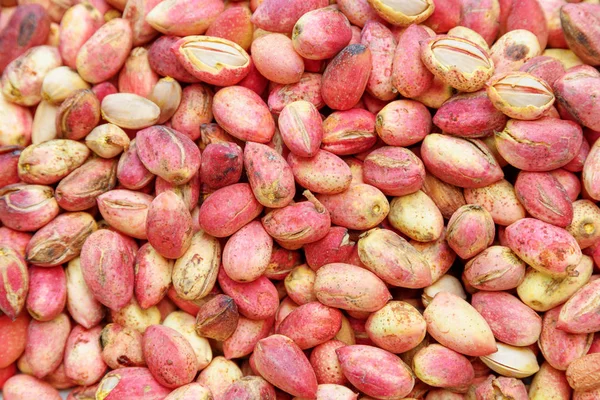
311,324
360,207
107,268
78,191
83,356
182,18
591,180
166,94
152,276
579,24
44,123
61,239
131,172
561,348
299,284
213,60
14,282
301,128
256,300
541,145
544,198
298,223
60,83
470,230
169,356
376,372
393,259
457,325
500,199
47,292
27,207
542,292
397,327
580,313
403,13
350,287
416,216
269,175
323,173
511,321
458,62
195,272
439,366
105,52
529,238
393,170
168,153
49,162
81,303
466,163
520,95
125,211
228,209
130,111
22,386
130,383
46,343
516,362
169,225
247,253
495,268
281,362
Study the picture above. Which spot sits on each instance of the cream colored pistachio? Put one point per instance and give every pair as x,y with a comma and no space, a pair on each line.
107,140
44,126
166,94
403,12
211,54
129,111
59,83
512,361
520,95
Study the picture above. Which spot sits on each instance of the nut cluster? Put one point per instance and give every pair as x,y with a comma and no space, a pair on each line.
300,199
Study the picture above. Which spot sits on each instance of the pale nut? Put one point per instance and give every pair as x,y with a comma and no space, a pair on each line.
107,140
512,361
129,111
166,94
458,62
520,95
59,83
403,12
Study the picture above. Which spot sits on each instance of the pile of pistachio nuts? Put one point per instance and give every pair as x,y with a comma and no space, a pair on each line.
299,199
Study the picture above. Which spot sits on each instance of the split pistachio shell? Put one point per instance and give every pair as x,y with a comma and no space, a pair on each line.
520,95
516,362
457,325
213,60
130,111
458,62
403,13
